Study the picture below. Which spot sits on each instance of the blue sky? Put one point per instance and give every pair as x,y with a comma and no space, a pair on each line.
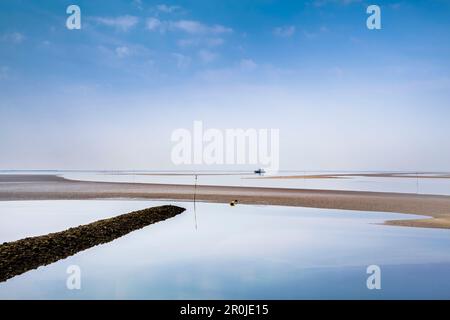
344,97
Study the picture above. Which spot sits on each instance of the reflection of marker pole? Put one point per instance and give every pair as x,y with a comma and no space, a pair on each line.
417,182
195,193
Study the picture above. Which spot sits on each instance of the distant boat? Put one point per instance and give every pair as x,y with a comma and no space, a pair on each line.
260,171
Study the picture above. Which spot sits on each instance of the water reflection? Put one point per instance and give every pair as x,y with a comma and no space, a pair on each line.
354,183
422,183
20,256
236,252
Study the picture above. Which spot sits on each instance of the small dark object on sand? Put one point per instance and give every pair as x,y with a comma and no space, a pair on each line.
23,255
260,171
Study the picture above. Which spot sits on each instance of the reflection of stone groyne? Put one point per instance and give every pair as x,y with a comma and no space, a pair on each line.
20,256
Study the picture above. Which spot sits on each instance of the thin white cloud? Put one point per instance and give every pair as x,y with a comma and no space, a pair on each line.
395,6
284,31
154,24
123,51
113,56
188,42
248,64
207,56
13,37
122,23
309,35
137,4
314,34
214,42
321,3
208,42
167,9
195,27
191,27
181,60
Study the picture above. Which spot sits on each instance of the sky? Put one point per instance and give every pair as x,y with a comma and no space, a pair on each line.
108,96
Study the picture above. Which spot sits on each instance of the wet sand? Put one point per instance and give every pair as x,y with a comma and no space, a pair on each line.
47,187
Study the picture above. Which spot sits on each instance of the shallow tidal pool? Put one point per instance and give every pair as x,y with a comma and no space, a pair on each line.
241,252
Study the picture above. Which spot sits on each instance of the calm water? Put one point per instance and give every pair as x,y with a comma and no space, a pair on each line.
257,252
355,183
379,184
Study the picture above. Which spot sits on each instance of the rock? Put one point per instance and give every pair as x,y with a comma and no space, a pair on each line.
23,255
